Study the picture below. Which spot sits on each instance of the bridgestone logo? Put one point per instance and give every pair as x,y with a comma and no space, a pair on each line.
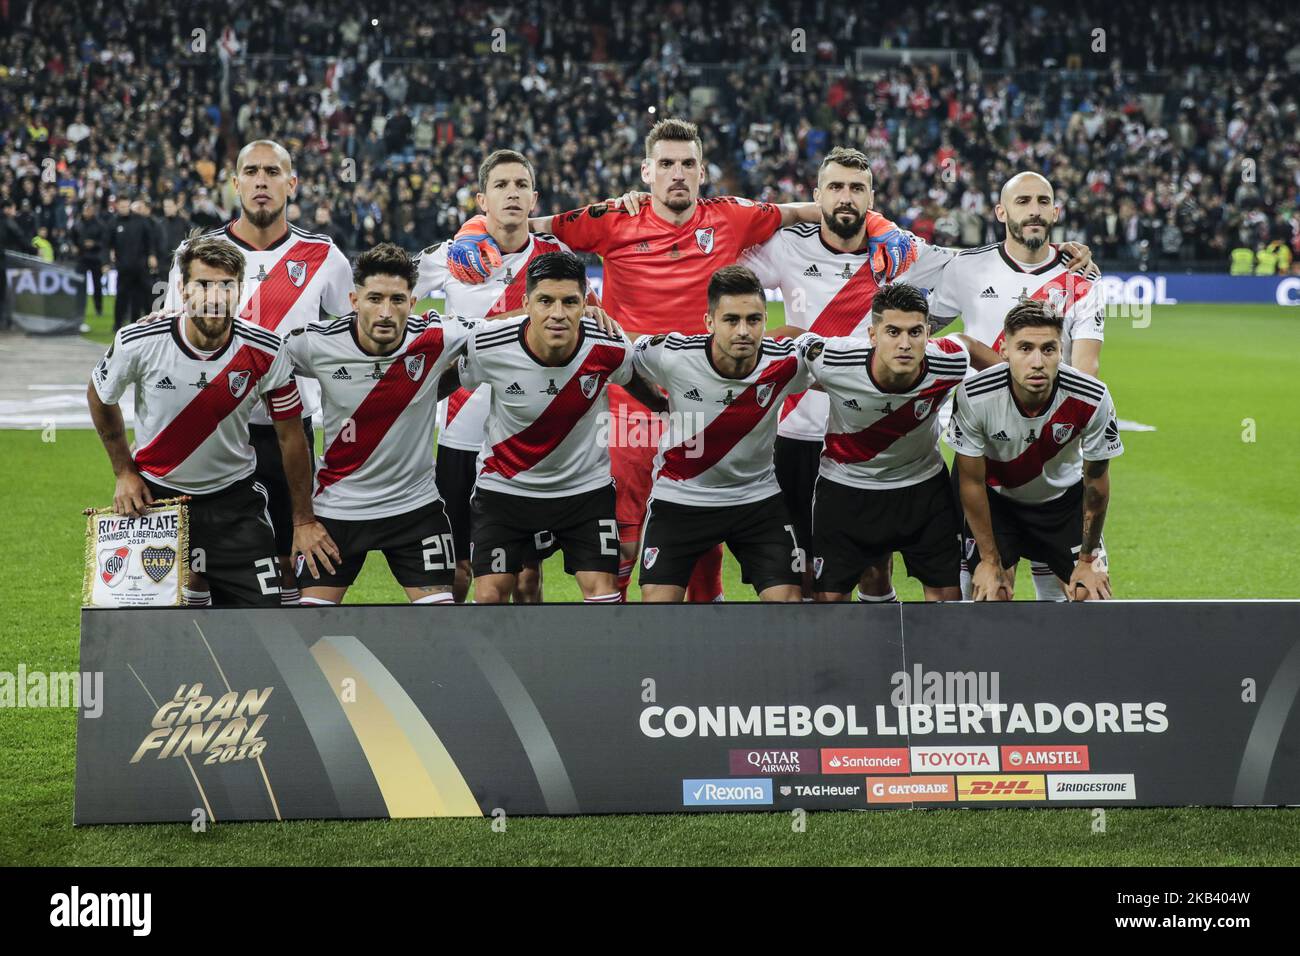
1091,788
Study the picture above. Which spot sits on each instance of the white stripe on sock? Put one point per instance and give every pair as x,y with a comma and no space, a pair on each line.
874,599
315,602
614,598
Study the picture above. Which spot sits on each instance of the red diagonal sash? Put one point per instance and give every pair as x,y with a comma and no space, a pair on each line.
1074,285
1029,464
850,447
277,293
525,450
724,432
841,316
379,409
200,418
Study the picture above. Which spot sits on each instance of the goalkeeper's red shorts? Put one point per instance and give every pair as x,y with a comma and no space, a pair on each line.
633,439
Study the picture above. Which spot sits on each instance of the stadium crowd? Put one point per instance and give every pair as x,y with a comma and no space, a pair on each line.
1177,143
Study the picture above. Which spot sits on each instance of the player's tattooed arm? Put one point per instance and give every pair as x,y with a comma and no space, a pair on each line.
449,382
647,394
990,581
310,539
131,495
1089,582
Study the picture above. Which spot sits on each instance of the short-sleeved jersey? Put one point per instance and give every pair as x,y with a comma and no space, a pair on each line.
544,421
299,278
379,412
982,285
192,408
657,274
462,416
877,438
830,293
718,447
1034,458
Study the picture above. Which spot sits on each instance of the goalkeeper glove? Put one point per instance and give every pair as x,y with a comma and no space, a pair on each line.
473,254
892,249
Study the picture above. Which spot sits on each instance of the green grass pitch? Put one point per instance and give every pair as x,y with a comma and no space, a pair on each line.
1205,506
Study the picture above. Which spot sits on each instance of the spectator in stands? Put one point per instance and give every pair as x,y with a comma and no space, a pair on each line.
133,251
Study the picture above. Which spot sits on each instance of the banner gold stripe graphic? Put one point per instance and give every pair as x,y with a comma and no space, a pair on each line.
415,773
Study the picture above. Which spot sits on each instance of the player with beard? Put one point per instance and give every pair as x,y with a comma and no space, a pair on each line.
291,277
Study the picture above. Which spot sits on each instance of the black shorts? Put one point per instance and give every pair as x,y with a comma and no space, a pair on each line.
759,535
270,472
455,470
508,531
418,545
231,544
856,528
1051,533
797,462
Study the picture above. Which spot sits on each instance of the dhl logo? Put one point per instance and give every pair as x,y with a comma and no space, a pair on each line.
1004,787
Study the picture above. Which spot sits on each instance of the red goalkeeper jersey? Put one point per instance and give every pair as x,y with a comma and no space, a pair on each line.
657,274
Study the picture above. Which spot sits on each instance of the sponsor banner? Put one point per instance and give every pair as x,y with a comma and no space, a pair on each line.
773,762
727,792
1091,786
954,759
1044,758
360,712
924,789
1007,786
860,760
43,298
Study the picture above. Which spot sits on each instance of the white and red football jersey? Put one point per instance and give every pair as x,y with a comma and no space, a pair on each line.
982,285
544,421
462,416
192,407
299,278
379,412
830,293
1034,458
877,438
718,447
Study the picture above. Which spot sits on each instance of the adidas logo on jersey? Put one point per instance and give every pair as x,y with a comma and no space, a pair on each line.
165,383
693,395
341,374
514,389
643,246
812,270
853,404
989,293
1001,436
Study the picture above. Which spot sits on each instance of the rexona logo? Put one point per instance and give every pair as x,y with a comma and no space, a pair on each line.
727,793
1030,786
865,760
911,790
1045,758
948,759
1091,786
773,762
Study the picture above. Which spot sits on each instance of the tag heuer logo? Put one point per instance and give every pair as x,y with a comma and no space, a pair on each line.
764,393
649,557
786,791
415,366
514,389
812,271
239,383
704,239
158,561
989,293
297,269
341,374
853,404
166,383
922,408
1001,436
693,395
1061,432
112,565
589,384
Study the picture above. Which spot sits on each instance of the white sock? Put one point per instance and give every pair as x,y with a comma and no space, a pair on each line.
966,592
808,600
197,598
314,602
615,598
290,597
444,598
1047,586
878,599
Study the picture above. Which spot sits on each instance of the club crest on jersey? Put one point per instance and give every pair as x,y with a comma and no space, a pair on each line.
589,384
112,565
415,366
239,383
297,269
158,561
704,239
649,557
764,393
922,408
1061,432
